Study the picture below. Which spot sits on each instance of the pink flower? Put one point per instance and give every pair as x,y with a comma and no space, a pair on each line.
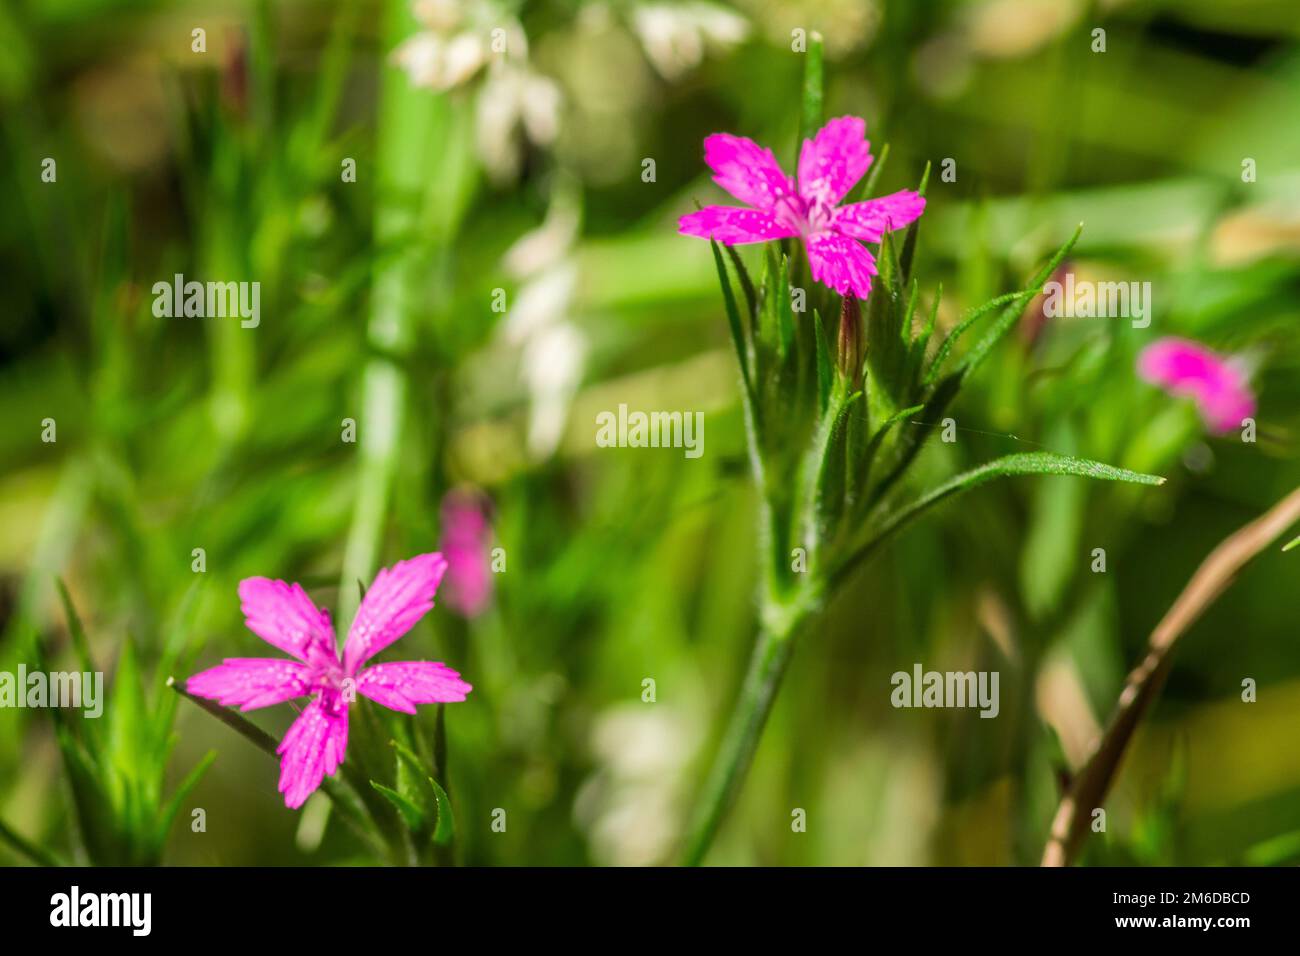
1185,368
284,616
829,166
465,542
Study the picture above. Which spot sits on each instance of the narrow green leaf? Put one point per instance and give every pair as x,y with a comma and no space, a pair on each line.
1030,463
1008,318
909,240
27,848
433,803
969,319
173,806
231,718
867,187
75,628
411,815
928,331
810,114
445,829
746,284
342,797
825,368
127,722
733,319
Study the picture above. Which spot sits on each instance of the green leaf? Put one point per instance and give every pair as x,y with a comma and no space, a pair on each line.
445,829
733,319
172,807
1031,463
28,849
825,369
410,775
75,628
969,319
430,798
810,113
1291,544
231,718
868,185
909,240
128,729
746,284
411,815
1008,318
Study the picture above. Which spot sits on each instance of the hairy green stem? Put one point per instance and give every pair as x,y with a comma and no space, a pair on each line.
766,668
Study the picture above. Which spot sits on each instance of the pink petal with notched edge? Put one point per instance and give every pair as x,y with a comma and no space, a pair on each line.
1186,368
870,220
746,170
400,685
732,225
285,617
252,682
841,263
313,748
398,597
832,162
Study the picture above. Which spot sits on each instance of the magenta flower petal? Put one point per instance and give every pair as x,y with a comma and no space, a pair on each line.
746,170
831,163
841,263
870,220
734,225
398,597
313,748
284,616
400,685
1218,385
252,682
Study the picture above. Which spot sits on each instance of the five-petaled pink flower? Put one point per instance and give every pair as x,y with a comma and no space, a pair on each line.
284,616
1186,368
830,165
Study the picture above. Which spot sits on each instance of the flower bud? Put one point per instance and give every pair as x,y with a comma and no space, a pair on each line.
850,347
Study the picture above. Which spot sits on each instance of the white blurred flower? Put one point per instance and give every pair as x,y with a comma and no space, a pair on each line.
441,62
553,350
541,302
458,39
514,98
553,361
675,36
631,806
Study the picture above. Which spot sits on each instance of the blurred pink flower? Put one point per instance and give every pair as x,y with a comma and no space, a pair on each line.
284,616
1186,368
466,537
830,165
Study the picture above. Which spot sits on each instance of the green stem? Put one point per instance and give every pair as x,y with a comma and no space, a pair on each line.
766,668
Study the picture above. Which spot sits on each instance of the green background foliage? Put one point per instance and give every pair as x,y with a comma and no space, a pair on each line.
627,564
